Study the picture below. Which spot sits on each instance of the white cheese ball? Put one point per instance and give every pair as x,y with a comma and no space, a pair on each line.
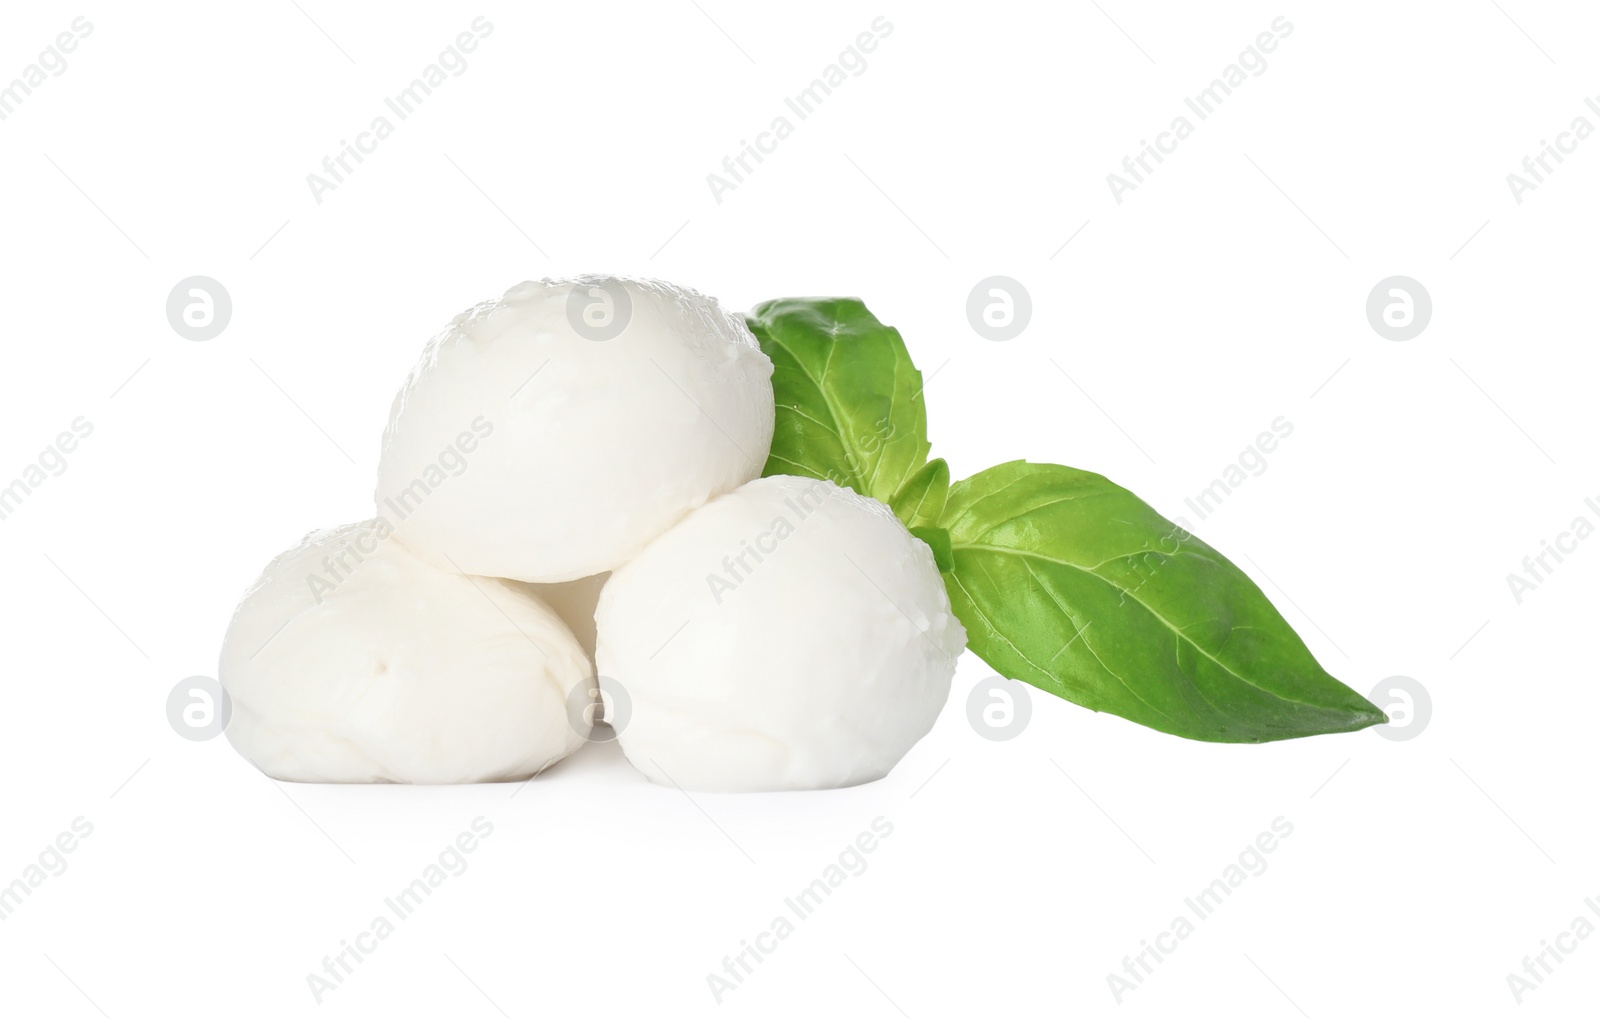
788,635
351,660
552,434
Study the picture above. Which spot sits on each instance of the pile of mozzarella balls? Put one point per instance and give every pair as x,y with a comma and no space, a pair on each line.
571,529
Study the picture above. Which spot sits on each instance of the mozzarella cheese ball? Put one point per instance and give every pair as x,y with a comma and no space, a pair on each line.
788,635
351,660
552,434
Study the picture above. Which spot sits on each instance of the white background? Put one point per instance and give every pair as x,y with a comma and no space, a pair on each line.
1225,291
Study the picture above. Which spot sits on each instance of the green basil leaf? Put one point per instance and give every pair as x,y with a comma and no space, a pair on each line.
938,539
920,501
848,399
1075,585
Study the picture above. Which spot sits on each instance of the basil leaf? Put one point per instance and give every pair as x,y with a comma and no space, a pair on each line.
1076,586
848,399
920,501
937,539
